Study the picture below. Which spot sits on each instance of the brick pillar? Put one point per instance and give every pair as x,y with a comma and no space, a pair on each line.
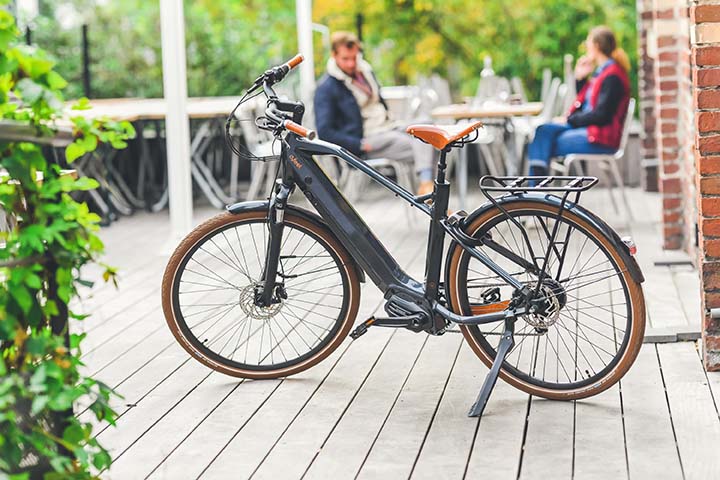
671,31
705,37
646,93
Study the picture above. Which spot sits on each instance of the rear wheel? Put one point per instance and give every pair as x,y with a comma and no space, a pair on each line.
210,285
591,327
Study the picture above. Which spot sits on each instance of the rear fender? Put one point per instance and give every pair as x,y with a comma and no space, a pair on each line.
584,214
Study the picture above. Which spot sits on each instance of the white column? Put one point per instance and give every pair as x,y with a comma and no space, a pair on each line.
177,126
305,43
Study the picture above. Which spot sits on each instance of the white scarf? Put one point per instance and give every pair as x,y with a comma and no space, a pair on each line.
375,116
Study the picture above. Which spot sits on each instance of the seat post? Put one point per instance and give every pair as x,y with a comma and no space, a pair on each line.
442,165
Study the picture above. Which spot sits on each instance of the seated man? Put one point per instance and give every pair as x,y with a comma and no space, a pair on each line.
350,112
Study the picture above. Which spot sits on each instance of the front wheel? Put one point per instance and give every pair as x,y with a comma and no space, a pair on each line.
592,323
212,280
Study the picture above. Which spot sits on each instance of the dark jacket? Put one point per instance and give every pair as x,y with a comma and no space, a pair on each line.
337,114
609,97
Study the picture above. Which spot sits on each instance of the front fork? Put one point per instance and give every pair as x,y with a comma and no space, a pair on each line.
276,216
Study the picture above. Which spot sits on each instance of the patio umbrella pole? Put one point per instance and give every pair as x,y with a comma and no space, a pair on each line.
177,128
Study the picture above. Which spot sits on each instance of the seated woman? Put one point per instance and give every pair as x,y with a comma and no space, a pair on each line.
595,121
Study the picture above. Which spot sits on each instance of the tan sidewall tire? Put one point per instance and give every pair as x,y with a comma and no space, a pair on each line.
637,328
221,220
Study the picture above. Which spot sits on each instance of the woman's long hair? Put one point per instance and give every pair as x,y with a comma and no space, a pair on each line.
604,38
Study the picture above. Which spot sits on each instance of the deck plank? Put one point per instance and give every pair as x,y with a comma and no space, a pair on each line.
410,418
694,417
548,449
647,420
499,438
341,453
599,428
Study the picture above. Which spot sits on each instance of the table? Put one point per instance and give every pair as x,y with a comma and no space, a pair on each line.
465,111
143,110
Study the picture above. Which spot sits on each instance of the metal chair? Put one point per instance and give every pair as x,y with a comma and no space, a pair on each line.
608,162
260,144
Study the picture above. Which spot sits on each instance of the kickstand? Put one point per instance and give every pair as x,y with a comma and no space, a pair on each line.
506,343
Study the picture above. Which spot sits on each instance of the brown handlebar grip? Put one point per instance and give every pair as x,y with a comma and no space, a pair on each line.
295,61
300,130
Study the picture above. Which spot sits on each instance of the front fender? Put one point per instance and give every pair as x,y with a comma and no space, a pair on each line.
263,205
583,213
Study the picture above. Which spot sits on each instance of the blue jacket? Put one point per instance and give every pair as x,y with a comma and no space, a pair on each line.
337,114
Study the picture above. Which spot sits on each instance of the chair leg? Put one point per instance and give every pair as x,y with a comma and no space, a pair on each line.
619,182
408,178
610,185
257,174
489,157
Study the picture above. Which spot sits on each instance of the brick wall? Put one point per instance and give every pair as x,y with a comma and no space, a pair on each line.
673,120
646,94
705,38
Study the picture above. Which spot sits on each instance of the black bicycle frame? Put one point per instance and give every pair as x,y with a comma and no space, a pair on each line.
300,168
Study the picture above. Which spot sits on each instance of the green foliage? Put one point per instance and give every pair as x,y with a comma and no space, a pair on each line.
229,42
404,38
40,258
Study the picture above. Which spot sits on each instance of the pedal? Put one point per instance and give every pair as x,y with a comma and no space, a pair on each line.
456,218
362,329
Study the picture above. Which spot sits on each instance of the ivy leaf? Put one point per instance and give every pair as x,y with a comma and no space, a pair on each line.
23,298
29,91
102,460
73,434
56,81
73,152
61,463
76,338
33,281
82,104
117,143
89,142
39,403
86,183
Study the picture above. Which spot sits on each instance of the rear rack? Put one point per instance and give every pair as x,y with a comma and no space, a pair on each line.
566,186
491,183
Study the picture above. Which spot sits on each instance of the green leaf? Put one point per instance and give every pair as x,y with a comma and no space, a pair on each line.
86,183
74,434
75,339
61,463
39,403
102,460
73,152
33,281
29,91
82,104
56,81
23,298
36,345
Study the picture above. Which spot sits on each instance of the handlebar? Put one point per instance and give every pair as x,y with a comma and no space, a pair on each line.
299,129
276,74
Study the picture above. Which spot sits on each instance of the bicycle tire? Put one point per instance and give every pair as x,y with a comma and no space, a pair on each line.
214,230
481,342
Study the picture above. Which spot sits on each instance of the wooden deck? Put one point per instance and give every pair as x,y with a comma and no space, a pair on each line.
393,404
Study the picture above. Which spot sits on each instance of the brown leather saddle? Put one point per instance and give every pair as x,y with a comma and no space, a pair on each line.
440,136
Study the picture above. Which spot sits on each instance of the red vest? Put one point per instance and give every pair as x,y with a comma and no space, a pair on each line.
609,134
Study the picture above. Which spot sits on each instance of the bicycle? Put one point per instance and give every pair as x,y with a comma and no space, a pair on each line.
268,289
